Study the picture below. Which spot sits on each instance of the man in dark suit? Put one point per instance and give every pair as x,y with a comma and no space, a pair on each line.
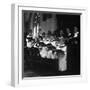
76,51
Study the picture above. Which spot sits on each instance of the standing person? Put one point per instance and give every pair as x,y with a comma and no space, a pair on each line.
76,35
61,35
68,36
68,33
76,32
68,42
76,51
62,38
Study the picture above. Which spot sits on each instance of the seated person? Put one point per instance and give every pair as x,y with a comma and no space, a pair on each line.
43,52
29,42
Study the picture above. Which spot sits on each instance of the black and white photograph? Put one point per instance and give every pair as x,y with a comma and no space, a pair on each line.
51,43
